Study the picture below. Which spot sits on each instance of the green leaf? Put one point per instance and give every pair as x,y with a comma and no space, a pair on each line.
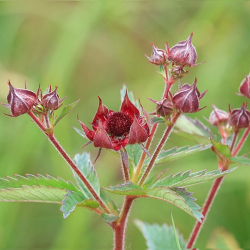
65,111
80,132
84,164
177,153
134,154
157,120
109,218
160,237
70,202
33,194
39,180
193,130
109,202
187,178
241,160
221,148
178,197
127,188
175,233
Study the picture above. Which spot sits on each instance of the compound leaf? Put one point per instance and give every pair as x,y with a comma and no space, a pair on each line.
109,218
160,237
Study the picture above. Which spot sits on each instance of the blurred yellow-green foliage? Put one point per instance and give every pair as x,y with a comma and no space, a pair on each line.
90,49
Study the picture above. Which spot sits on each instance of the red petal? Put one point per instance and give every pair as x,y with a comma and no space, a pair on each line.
128,107
101,112
137,133
101,138
88,133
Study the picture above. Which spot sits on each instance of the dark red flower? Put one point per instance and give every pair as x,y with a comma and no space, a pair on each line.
240,118
158,56
114,130
51,100
20,101
245,87
187,99
183,53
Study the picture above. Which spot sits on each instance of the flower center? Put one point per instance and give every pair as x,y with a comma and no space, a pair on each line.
119,123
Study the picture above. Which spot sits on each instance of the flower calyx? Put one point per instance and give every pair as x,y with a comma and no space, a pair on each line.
158,56
20,101
164,107
114,130
244,88
187,99
183,53
240,118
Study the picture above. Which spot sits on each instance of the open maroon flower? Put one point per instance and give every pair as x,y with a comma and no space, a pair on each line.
114,130
20,101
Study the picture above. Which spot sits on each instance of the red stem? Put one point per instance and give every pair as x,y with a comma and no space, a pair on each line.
56,144
205,210
241,142
158,148
119,226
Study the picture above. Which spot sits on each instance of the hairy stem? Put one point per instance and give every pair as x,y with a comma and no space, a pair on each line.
119,226
158,148
139,167
66,157
205,210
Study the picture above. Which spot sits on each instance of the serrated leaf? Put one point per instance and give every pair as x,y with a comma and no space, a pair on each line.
177,153
84,164
33,194
39,180
127,188
160,237
187,178
178,197
193,129
109,202
65,111
70,202
109,218
134,154
221,148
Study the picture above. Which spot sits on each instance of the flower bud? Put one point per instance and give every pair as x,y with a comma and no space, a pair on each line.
164,107
240,118
183,53
51,100
218,117
158,56
187,98
20,101
244,88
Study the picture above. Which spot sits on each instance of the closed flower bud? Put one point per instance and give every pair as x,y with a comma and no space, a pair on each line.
20,101
51,100
183,53
158,56
245,87
187,98
164,107
240,118
218,117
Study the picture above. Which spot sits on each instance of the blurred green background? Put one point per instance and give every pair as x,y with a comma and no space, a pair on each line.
90,49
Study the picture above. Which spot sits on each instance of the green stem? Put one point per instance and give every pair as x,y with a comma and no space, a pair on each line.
49,134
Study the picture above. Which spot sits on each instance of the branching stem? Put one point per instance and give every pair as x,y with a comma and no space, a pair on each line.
49,134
